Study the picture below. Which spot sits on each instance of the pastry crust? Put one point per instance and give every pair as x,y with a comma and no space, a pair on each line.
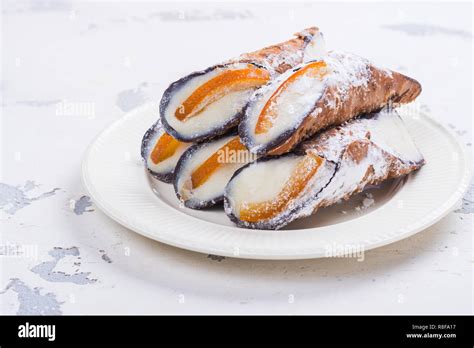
381,90
308,44
285,55
149,140
354,154
353,87
362,152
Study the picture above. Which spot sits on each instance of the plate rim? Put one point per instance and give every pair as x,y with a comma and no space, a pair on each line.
435,216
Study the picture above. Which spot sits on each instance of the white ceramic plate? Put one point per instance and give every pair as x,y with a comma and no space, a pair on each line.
114,176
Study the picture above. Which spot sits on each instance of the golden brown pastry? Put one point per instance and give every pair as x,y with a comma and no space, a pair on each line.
318,94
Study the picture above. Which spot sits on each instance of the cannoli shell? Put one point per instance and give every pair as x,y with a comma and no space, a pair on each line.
308,44
378,160
362,156
383,87
285,55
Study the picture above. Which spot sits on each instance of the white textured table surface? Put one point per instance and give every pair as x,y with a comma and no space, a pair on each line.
70,69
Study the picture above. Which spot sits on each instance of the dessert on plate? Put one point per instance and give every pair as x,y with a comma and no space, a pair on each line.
333,166
281,132
204,170
160,152
207,103
318,94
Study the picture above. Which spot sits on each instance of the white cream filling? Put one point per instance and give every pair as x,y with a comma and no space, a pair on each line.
389,132
349,176
214,186
310,196
168,165
215,114
386,130
289,108
261,181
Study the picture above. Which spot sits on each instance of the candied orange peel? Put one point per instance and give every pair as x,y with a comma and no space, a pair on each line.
226,82
268,115
165,147
205,170
305,169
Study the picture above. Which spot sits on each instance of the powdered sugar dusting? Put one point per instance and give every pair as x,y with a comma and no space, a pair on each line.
287,55
343,72
348,70
355,156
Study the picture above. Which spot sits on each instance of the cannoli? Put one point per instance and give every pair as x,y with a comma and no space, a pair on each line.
340,162
318,94
205,168
160,152
207,103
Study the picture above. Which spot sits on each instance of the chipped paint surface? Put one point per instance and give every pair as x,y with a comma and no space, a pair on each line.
32,301
34,6
202,15
38,103
132,98
14,198
189,15
46,269
467,201
107,51
216,257
416,29
82,205
106,258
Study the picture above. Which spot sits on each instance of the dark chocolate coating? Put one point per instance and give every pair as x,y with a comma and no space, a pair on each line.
245,132
274,223
144,150
210,133
193,203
